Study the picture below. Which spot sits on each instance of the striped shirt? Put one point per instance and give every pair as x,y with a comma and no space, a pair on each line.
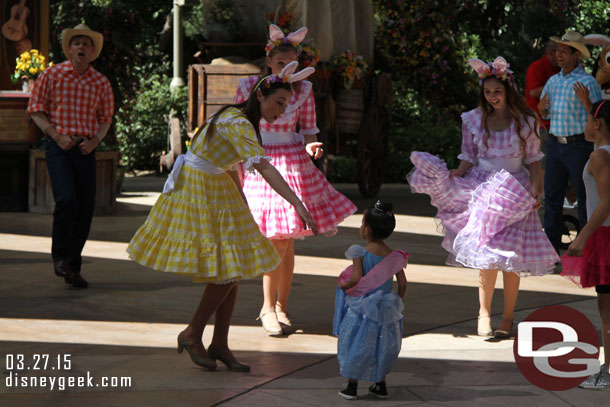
74,104
568,115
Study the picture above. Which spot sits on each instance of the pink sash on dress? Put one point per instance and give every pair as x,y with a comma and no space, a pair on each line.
378,275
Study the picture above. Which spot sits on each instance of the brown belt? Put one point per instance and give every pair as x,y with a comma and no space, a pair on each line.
569,139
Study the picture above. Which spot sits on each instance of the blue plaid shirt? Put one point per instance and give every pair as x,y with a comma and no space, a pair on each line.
568,115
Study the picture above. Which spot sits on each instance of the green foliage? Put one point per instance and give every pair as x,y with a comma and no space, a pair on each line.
423,45
143,129
342,168
590,17
193,20
224,12
442,140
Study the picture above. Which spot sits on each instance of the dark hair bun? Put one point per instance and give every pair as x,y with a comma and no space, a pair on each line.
384,207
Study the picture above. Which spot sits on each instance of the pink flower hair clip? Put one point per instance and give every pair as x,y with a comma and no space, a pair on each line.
286,76
498,68
277,38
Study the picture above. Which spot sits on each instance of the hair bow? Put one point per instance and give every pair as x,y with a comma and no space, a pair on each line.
497,68
276,37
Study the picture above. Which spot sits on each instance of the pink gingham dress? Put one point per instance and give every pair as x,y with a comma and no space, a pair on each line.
487,215
283,145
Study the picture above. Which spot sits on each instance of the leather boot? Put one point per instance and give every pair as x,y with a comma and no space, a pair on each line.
76,280
61,268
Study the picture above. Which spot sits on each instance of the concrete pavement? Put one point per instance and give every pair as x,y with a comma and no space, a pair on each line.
124,327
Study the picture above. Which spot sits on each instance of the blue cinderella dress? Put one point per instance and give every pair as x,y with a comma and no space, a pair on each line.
369,327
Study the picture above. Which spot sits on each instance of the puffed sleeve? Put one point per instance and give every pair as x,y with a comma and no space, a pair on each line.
469,125
307,115
105,110
240,133
243,90
532,142
355,252
41,93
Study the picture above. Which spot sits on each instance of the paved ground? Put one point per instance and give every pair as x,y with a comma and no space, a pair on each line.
126,323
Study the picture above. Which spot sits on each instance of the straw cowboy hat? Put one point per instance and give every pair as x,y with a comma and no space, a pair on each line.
82,29
575,40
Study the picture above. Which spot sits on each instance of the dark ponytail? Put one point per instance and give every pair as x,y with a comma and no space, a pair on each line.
601,110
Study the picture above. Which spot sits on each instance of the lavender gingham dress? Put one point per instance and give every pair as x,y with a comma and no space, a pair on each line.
487,215
283,145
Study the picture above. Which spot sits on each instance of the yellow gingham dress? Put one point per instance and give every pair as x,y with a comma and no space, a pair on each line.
203,228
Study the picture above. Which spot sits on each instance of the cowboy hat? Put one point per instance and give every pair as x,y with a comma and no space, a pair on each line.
82,29
575,40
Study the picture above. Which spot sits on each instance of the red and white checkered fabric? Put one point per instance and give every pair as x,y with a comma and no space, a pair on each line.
301,111
276,218
75,104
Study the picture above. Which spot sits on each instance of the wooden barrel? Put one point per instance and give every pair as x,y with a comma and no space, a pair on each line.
350,106
40,193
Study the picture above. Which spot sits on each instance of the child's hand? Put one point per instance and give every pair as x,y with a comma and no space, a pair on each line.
582,93
536,195
576,247
544,105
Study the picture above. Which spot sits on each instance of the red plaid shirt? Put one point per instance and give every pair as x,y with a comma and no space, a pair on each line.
75,104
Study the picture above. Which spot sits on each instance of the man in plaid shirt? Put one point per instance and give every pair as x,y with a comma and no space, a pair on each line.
567,98
73,105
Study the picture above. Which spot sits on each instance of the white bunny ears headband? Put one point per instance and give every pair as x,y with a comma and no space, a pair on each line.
286,76
497,68
277,38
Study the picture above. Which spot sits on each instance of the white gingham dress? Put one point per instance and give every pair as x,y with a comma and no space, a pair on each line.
487,215
276,218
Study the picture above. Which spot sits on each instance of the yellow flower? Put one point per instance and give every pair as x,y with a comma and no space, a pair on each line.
33,71
34,51
25,56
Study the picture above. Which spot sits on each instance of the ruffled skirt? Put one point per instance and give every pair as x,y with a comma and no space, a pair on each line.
487,217
593,268
370,334
203,229
276,218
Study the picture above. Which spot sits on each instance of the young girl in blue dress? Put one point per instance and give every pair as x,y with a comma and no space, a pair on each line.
368,316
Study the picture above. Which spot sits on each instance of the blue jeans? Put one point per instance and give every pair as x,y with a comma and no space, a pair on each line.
563,161
73,181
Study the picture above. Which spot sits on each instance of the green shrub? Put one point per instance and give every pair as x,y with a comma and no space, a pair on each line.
342,168
442,140
142,123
